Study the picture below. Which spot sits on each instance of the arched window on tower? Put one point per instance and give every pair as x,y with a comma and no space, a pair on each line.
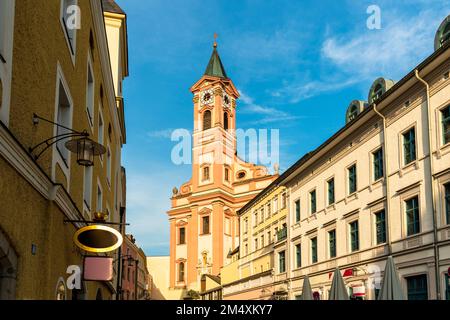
205,173
353,113
181,272
225,121
206,120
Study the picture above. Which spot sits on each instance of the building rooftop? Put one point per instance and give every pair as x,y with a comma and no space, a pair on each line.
112,6
215,67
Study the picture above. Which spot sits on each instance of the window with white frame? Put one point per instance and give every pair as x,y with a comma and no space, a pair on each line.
64,121
87,192
70,20
90,95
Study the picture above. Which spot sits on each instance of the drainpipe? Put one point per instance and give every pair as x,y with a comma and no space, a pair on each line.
386,179
433,205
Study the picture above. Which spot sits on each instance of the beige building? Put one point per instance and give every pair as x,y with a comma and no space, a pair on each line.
380,186
249,274
372,190
55,63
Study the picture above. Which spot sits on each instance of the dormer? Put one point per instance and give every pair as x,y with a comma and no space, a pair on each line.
378,88
442,34
354,109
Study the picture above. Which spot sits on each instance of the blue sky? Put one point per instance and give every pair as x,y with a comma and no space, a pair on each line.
297,65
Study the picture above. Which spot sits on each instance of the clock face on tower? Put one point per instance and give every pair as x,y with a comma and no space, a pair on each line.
207,97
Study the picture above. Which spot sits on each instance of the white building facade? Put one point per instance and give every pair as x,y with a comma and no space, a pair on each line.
374,189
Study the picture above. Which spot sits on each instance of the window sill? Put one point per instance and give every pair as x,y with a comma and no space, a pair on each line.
205,234
330,207
443,150
414,165
377,183
351,197
181,244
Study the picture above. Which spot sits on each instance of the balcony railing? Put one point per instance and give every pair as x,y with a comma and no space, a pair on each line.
281,234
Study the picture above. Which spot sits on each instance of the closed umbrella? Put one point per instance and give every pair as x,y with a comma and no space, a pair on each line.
338,290
390,287
307,291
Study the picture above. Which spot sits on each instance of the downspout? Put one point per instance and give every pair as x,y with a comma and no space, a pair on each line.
433,206
386,179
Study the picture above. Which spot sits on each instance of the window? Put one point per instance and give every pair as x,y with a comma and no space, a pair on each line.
245,225
99,199
269,236
353,113
297,210
90,95
314,250
205,225
182,236
262,241
206,120
269,210
447,202
101,128
312,198
205,173
354,236
227,226
227,174
283,200
261,215
181,272
275,204
108,165
378,164
412,216
446,124
225,121
256,244
255,219
409,146
332,243
246,249
380,227
63,119
282,261
87,193
330,187
298,255
417,287
352,179
70,19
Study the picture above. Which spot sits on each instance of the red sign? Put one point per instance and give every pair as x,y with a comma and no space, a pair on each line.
348,272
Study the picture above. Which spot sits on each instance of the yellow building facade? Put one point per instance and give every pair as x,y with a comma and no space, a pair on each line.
249,274
60,72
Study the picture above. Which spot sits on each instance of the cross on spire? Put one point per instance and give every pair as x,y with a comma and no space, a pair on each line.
215,39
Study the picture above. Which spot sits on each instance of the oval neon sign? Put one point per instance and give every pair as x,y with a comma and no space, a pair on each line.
98,238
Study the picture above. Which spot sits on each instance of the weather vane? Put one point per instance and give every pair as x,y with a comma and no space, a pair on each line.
215,40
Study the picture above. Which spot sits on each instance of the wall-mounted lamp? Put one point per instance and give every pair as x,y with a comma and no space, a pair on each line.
85,148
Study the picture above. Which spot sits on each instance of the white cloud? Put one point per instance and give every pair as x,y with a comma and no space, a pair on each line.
391,51
303,90
269,114
163,133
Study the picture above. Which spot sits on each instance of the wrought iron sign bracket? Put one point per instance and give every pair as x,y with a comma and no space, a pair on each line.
51,141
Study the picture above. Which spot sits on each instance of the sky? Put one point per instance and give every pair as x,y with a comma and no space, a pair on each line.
297,65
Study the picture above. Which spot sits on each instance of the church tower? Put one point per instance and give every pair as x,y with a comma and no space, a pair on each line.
204,226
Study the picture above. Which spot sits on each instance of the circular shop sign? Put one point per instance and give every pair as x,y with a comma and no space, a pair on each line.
98,238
